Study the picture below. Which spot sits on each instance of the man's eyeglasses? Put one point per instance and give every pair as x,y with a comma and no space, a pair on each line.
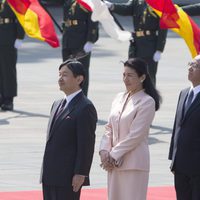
194,65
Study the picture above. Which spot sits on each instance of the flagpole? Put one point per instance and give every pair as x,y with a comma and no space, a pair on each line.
117,21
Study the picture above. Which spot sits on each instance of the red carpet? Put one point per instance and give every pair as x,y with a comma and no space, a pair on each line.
154,193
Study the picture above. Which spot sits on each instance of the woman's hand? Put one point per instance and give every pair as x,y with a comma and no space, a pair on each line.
107,162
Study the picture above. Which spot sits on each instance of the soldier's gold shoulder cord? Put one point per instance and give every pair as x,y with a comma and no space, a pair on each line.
73,6
151,11
2,5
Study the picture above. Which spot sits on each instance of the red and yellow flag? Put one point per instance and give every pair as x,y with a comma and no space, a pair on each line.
35,20
174,18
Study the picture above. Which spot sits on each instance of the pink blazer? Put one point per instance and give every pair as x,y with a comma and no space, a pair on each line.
126,133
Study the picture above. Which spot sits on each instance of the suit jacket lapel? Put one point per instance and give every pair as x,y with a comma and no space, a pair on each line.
182,102
191,109
52,116
193,106
70,107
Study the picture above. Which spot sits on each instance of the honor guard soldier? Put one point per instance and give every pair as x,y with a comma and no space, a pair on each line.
11,35
148,39
192,10
79,35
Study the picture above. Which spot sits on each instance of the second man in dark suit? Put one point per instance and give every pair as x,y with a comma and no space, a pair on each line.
71,138
185,141
79,35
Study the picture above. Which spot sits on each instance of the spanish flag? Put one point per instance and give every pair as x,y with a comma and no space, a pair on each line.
174,18
35,20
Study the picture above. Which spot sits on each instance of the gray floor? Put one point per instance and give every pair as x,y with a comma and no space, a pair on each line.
22,132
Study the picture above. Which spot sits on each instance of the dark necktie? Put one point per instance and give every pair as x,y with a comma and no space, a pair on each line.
189,100
61,108
59,111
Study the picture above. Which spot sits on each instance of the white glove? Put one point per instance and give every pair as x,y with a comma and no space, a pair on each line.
109,4
157,56
18,43
88,47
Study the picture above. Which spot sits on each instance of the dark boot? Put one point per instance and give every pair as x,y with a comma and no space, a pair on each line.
7,103
1,100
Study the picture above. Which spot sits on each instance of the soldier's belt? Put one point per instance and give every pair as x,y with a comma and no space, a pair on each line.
145,33
6,20
74,22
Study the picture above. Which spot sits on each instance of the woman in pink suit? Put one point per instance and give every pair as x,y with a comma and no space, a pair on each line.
124,147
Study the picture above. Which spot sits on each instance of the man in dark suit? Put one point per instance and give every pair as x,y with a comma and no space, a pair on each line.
185,141
79,35
192,10
70,138
148,39
11,35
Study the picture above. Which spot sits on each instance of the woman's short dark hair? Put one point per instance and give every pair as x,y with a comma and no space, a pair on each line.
75,67
141,68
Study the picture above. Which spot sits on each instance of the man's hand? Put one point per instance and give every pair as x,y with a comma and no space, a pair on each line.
77,182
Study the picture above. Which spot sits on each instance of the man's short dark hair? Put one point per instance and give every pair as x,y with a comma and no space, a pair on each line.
76,67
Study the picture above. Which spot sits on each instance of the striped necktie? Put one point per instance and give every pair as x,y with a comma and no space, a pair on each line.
61,108
189,100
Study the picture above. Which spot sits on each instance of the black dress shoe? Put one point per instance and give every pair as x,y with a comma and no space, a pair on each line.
8,106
